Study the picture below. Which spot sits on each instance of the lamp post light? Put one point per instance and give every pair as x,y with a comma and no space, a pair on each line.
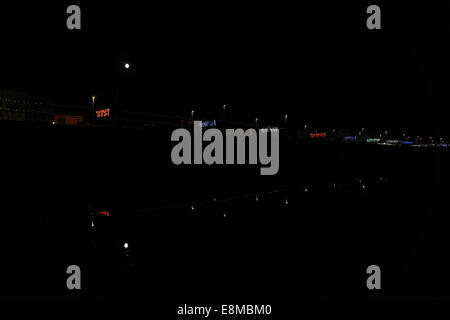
256,121
127,66
285,119
93,104
192,114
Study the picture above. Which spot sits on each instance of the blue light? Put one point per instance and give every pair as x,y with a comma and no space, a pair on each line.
208,123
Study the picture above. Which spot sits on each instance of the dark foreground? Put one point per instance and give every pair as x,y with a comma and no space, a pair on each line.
219,233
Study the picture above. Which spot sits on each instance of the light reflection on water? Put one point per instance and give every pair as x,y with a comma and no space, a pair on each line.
278,224
273,199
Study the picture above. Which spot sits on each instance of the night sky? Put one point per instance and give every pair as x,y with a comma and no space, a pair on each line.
318,63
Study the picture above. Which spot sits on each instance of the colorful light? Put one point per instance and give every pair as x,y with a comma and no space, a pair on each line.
103,113
104,213
207,123
318,135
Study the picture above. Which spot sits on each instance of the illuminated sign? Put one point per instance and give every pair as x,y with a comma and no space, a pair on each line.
318,135
372,140
206,124
67,119
103,113
104,213
350,138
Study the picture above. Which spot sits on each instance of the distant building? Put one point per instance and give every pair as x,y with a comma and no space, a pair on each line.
68,119
19,107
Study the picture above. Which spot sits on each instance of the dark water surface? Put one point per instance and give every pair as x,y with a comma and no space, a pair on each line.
220,232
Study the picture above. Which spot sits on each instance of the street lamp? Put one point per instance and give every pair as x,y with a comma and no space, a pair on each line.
192,114
127,66
93,104
285,119
256,121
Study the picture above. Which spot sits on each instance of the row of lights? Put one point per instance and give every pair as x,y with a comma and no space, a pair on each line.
286,203
305,189
20,101
360,133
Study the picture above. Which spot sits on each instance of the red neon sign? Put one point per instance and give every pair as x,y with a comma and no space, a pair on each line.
318,135
102,113
104,213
